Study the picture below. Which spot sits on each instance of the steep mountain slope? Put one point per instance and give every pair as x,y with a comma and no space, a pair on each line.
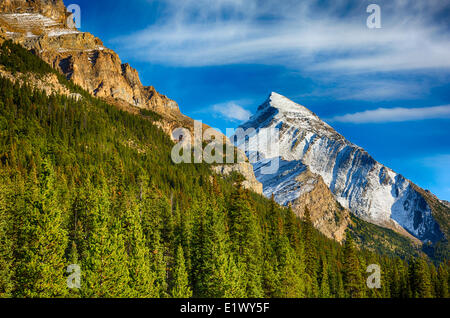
42,27
359,183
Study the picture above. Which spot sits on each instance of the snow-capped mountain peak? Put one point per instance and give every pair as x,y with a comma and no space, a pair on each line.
285,105
359,183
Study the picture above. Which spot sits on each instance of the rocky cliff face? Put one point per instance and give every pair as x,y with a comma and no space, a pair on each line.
41,27
368,189
53,9
326,213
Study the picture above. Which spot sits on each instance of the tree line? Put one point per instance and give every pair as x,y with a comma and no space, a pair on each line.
84,183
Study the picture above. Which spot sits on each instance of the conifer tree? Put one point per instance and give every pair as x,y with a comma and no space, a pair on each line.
6,244
41,239
73,259
215,271
142,278
395,282
353,282
442,285
324,282
270,277
126,234
180,284
421,285
104,255
310,255
158,265
291,273
245,236
152,206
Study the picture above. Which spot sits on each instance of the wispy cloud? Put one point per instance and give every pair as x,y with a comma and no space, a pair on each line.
309,35
399,114
363,89
231,111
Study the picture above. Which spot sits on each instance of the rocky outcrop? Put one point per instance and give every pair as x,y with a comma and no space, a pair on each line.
327,214
53,9
246,170
48,83
40,27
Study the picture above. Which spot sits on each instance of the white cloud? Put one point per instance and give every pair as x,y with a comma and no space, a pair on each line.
399,114
297,34
231,111
378,89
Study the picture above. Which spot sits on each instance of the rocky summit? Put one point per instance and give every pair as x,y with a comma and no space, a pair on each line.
41,26
312,154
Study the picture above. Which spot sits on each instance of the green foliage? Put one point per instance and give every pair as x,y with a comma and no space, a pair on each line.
41,239
353,281
84,183
150,114
6,244
180,282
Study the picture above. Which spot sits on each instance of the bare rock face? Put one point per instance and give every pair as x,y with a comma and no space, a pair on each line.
327,214
53,9
40,26
246,170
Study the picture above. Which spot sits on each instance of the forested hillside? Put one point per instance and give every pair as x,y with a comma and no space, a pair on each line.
82,182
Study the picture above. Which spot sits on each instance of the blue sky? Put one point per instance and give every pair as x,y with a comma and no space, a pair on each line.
387,90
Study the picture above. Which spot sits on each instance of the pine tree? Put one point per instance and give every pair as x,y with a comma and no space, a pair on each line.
151,207
395,282
421,286
290,273
353,282
270,277
42,240
180,285
324,282
6,244
104,259
159,266
142,278
215,272
74,260
245,236
442,278
310,255
292,228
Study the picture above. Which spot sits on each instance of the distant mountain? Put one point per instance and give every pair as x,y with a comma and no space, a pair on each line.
371,191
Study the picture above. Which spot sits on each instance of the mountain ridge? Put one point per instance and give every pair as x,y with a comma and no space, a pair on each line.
359,183
82,58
